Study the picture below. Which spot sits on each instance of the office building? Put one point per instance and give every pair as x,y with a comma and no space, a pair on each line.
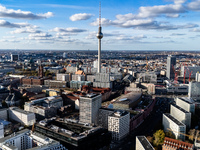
7,126
143,144
14,57
21,116
63,77
45,107
64,55
177,89
1,130
103,117
89,107
181,115
194,90
118,124
190,71
173,125
197,78
25,139
4,113
102,80
73,135
171,65
185,103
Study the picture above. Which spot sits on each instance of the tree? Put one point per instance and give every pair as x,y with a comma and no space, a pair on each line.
159,137
150,139
169,134
192,133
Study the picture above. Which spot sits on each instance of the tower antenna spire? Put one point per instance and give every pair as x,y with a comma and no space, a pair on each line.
99,37
99,13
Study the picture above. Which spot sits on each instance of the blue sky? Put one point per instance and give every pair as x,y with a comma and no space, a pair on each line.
73,24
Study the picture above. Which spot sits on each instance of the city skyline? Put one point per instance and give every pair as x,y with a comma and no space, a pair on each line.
73,25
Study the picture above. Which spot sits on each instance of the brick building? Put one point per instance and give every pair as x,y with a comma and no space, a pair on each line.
173,144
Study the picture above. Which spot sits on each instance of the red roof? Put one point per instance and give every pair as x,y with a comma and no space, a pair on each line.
169,143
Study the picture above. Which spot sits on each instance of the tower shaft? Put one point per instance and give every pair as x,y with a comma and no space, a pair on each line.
99,56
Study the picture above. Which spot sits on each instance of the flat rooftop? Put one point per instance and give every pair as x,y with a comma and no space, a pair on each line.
119,113
14,134
20,110
91,95
184,99
174,119
183,110
145,143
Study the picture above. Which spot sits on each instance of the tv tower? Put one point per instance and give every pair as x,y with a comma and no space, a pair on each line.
99,36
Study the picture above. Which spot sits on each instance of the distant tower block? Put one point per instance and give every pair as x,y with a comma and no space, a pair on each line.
14,57
99,36
41,72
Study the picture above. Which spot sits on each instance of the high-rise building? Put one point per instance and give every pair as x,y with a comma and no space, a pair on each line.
171,124
185,103
1,131
64,55
194,90
189,71
89,106
143,144
197,78
118,124
14,57
171,65
103,117
181,115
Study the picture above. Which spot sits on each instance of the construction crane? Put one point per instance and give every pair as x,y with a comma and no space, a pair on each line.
147,63
191,136
175,75
184,73
190,73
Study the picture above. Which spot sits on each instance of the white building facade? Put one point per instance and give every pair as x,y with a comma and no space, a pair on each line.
118,124
185,103
181,115
19,115
194,90
25,139
176,127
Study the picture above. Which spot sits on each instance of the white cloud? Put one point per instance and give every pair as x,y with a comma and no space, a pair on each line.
68,30
80,16
195,5
127,38
177,34
195,30
179,1
104,22
25,30
154,11
19,14
6,24
40,36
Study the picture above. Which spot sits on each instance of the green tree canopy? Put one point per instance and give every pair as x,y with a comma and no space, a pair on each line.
159,137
